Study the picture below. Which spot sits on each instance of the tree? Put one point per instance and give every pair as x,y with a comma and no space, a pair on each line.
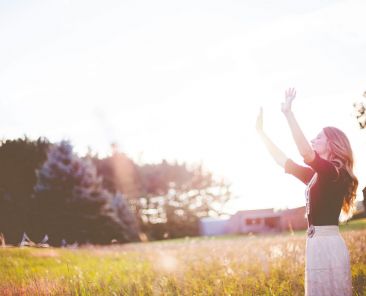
125,216
18,161
167,198
120,174
178,197
73,203
360,109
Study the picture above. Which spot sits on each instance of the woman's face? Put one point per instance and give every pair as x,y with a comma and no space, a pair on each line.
320,144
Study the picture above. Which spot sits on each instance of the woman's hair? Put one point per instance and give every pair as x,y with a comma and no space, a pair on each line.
341,154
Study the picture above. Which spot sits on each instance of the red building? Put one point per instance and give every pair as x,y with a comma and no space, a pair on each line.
267,220
257,221
294,219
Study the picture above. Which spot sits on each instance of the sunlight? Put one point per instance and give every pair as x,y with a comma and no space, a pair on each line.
166,263
184,91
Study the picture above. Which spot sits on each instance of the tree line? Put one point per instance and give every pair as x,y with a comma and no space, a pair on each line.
46,188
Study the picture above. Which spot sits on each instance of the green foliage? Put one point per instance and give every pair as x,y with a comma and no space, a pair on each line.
167,198
186,195
90,199
18,161
73,203
353,224
125,217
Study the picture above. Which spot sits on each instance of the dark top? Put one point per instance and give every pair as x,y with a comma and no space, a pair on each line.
327,193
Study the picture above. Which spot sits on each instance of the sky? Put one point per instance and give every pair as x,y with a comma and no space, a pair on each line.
184,80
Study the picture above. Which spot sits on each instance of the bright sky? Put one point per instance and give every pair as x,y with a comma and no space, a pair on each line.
184,80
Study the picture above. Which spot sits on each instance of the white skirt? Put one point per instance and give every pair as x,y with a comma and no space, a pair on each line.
327,263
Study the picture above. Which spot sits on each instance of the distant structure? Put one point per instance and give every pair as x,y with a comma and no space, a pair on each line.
293,219
26,241
256,221
213,226
360,206
359,212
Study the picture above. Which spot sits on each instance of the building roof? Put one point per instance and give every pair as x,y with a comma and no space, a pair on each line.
262,213
214,219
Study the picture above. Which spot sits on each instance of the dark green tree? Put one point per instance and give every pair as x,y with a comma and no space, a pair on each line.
18,161
73,202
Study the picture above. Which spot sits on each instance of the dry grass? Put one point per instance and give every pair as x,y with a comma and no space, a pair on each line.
242,265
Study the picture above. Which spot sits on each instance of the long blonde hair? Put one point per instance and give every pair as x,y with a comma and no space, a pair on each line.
340,153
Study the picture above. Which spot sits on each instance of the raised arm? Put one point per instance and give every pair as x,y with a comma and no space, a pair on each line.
302,173
275,152
302,144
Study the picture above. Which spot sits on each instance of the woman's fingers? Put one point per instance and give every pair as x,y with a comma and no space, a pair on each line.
290,93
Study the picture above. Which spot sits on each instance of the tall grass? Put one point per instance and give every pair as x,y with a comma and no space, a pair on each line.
241,265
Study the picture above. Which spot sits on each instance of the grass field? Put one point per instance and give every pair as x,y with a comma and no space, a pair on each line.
239,265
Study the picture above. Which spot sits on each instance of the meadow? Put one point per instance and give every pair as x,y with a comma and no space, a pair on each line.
228,265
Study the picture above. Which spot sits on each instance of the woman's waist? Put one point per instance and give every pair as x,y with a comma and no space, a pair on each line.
324,230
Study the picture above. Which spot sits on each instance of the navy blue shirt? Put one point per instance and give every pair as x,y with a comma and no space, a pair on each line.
327,193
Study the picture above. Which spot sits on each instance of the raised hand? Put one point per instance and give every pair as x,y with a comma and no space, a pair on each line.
290,95
259,125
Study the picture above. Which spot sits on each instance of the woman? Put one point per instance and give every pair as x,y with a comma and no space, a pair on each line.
331,187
